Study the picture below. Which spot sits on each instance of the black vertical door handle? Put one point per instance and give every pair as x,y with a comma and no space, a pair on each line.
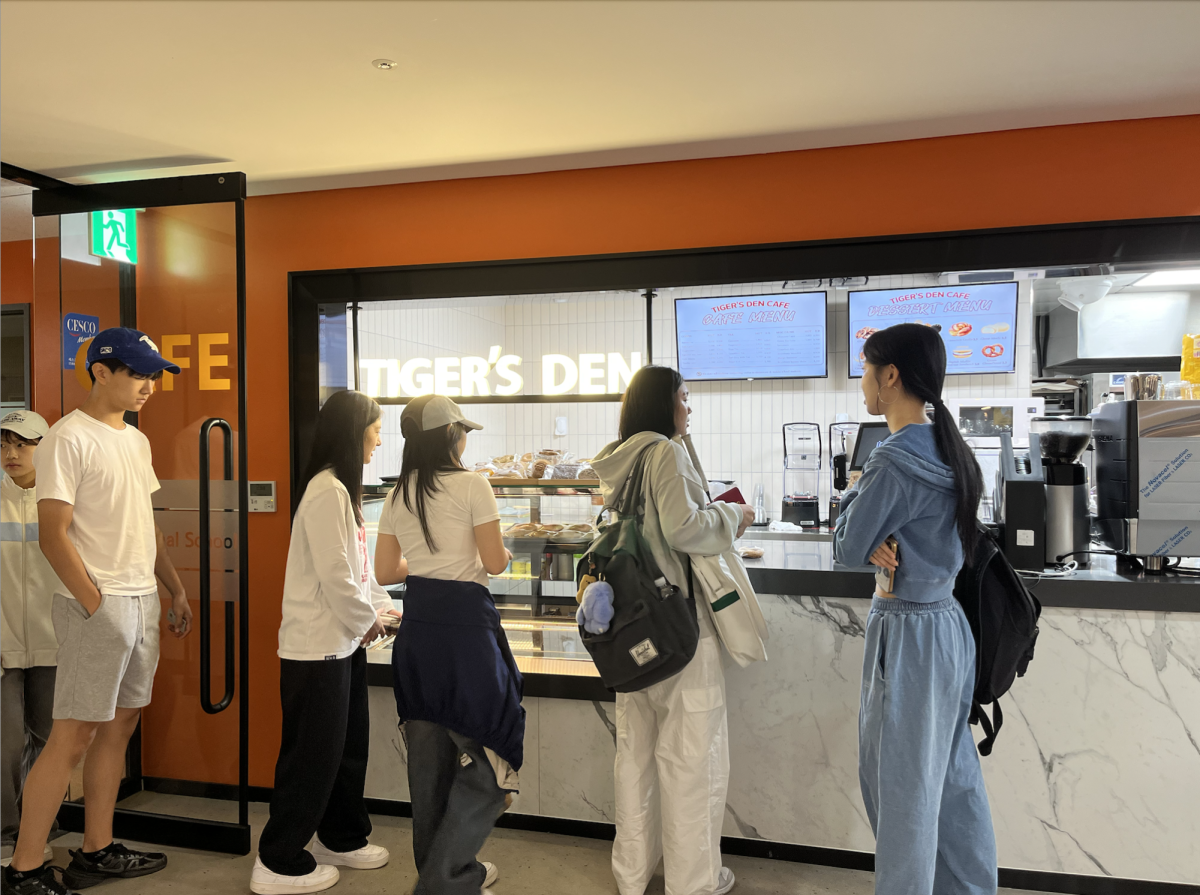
206,575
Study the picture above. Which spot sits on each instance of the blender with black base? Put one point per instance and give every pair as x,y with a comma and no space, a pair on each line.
801,474
1062,441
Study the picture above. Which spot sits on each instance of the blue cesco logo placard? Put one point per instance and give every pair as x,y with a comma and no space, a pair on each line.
77,329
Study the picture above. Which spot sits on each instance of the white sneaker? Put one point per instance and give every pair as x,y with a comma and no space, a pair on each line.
264,882
369,857
47,855
725,882
493,873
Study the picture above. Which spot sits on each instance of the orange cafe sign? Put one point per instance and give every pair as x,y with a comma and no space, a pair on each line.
178,350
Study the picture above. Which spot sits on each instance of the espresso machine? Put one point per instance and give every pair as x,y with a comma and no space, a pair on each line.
801,474
1041,497
841,446
1148,479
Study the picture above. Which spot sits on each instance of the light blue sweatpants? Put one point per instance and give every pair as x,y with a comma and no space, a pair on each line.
917,763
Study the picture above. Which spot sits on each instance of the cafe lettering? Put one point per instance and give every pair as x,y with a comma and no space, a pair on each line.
497,374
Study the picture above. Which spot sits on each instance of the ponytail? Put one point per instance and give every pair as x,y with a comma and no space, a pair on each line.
957,454
919,354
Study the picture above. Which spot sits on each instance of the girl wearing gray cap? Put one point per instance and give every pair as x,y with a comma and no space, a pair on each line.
458,691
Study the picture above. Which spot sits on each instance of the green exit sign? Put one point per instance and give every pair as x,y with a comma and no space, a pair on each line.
114,235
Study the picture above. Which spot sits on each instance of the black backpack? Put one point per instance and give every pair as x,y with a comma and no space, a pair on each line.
654,630
1004,620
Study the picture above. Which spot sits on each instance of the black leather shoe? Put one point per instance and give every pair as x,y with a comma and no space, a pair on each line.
36,882
115,862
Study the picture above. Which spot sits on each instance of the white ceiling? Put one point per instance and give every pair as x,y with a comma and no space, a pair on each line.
285,91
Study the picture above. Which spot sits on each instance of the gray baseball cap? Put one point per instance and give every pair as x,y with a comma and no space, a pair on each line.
434,412
26,423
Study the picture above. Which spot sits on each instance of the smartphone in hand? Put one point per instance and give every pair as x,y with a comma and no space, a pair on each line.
885,579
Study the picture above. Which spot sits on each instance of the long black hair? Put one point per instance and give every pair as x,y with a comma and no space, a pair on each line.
919,354
428,454
649,402
338,444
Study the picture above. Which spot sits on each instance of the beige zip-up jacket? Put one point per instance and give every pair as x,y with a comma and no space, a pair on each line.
27,583
679,518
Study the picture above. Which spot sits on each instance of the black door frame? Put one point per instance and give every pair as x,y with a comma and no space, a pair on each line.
56,198
25,311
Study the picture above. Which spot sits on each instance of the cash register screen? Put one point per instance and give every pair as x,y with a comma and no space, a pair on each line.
870,436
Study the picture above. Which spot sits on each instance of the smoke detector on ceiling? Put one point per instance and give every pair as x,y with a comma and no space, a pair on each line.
384,64
1083,291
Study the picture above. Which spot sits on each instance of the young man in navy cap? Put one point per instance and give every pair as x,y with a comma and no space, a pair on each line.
97,530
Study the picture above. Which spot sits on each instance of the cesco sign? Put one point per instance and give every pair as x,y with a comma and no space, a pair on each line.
497,374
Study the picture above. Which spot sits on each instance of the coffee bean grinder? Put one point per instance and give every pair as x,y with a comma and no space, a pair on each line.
841,446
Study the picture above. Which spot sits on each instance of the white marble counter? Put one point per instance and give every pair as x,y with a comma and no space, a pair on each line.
1097,769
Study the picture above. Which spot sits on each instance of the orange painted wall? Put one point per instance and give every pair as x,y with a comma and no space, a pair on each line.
16,271
1115,170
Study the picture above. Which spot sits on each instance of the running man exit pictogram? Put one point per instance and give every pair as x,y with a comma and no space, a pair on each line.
114,235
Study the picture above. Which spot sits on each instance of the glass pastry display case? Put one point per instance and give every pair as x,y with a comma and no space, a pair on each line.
547,524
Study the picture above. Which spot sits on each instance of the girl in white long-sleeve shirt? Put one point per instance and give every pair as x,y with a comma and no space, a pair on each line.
331,611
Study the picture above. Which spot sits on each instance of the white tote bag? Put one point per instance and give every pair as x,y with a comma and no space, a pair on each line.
725,587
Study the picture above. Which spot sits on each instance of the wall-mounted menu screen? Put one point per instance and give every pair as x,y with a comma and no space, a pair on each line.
752,336
978,323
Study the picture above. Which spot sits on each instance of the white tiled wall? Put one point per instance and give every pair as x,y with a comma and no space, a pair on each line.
736,426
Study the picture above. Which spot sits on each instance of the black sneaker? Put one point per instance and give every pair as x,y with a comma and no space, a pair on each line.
35,882
114,862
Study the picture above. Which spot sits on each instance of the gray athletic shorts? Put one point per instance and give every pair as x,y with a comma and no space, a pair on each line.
107,660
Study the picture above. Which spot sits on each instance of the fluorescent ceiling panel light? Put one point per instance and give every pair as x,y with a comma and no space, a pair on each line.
1171,278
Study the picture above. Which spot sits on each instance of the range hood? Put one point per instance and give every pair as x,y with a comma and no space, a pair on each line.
1123,332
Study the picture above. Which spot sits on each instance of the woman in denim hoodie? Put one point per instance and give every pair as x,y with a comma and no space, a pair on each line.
918,767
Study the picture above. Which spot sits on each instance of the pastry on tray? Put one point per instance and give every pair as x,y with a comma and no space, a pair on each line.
750,552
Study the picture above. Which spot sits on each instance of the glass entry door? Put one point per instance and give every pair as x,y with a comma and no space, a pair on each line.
167,257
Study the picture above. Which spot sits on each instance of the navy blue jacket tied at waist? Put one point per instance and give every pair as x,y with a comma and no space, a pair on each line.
451,665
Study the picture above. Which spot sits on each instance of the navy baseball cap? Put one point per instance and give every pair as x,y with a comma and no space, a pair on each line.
133,348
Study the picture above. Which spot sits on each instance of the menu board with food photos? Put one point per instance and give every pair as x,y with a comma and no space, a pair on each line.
978,323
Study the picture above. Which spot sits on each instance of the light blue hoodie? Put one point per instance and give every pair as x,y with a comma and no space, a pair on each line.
906,491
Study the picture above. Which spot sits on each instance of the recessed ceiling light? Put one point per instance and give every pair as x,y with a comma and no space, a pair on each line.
1171,278
384,64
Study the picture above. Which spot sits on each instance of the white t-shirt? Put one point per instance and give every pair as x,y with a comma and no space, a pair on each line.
464,500
107,475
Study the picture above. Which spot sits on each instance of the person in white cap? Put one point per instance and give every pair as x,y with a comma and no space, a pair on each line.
28,647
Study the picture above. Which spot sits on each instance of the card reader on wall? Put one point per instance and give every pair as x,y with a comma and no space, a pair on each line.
262,497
